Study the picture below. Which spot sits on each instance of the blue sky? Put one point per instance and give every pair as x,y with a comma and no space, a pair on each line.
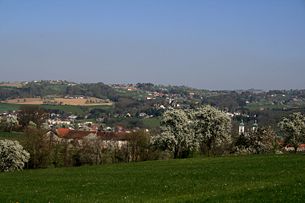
212,44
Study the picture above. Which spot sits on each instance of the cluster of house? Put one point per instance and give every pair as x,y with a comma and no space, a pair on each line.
84,132
79,138
128,87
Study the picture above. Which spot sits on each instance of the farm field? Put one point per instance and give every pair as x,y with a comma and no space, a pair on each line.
8,107
260,178
263,105
17,85
90,101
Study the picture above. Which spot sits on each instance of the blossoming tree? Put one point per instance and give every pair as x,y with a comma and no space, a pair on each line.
12,156
177,134
212,128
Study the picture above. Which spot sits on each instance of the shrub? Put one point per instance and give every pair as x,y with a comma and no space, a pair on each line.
12,156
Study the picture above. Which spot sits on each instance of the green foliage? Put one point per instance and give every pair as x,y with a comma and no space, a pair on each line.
99,90
12,156
219,179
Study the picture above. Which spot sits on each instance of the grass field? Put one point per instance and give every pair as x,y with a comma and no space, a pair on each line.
78,110
270,178
11,135
151,122
8,107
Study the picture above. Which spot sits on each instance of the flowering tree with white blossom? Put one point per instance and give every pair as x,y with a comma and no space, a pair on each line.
184,131
293,129
177,133
12,156
212,128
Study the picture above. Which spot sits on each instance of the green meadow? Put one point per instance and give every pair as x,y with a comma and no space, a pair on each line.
11,135
260,178
8,107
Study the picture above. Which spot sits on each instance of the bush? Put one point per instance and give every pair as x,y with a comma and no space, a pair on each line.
12,156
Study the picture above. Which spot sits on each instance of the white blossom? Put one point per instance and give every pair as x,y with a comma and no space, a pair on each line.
212,127
177,133
12,156
293,128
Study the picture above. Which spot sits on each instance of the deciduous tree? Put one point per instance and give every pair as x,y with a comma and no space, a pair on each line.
293,128
12,156
33,114
177,133
212,128
263,140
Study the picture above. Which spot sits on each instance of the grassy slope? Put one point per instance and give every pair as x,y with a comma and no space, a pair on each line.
246,178
151,122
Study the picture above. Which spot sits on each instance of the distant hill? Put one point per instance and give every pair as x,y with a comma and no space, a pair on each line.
59,89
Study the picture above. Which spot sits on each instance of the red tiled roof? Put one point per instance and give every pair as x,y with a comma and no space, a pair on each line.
62,132
302,146
76,134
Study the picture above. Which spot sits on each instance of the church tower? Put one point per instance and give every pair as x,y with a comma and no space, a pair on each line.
241,128
254,126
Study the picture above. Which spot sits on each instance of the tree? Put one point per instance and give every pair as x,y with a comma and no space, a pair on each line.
39,146
12,156
138,145
212,128
33,114
293,128
177,134
262,140
9,123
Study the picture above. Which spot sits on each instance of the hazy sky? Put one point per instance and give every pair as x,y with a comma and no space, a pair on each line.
212,44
